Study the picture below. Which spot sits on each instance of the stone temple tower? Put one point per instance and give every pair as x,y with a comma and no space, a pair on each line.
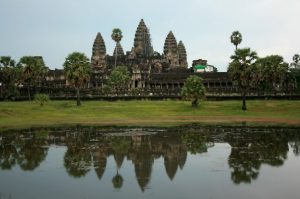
171,51
142,41
119,50
99,54
182,55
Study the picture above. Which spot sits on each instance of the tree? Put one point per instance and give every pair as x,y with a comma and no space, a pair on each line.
117,181
33,71
9,77
242,70
119,79
273,70
117,37
193,90
77,69
236,38
296,61
295,70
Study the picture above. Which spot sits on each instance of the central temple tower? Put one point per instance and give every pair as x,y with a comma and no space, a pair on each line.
142,41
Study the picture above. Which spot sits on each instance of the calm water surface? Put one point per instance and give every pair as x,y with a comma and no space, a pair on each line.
202,162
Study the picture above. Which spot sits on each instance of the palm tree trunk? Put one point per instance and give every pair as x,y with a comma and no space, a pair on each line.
28,91
244,101
78,96
116,55
236,47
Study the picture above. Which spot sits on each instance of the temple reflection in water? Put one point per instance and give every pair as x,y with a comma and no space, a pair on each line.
88,149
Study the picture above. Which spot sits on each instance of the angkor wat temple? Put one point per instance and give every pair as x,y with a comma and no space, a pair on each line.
152,74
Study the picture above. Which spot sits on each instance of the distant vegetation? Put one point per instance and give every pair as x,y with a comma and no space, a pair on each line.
248,71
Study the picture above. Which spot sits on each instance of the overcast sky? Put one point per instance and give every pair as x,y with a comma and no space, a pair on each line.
55,28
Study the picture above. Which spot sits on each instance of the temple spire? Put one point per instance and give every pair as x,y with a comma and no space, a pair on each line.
99,52
171,50
170,44
182,55
142,40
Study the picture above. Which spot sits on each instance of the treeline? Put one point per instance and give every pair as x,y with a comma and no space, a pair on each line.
29,71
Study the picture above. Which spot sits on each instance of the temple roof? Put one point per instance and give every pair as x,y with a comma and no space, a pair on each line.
181,50
99,45
170,44
182,54
142,40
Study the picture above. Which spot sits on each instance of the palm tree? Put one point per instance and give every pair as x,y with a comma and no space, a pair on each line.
117,181
34,70
117,36
296,59
242,70
236,38
77,70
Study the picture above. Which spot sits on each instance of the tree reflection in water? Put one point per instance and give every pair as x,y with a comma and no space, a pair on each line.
89,149
249,151
28,152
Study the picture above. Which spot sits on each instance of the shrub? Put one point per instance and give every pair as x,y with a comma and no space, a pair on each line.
41,98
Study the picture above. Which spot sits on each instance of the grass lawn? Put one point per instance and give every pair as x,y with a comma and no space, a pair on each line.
147,113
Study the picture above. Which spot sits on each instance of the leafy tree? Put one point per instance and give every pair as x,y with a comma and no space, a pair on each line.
33,71
32,153
193,90
273,70
41,98
8,153
242,70
195,142
77,161
9,77
77,70
236,38
119,79
117,37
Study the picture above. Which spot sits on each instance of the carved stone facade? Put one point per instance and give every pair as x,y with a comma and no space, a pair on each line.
98,59
142,61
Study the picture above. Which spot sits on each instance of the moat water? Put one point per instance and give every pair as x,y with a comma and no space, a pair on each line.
190,162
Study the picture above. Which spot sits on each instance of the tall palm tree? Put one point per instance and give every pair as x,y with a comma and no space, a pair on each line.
77,70
236,38
296,58
34,70
117,36
296,61
242,70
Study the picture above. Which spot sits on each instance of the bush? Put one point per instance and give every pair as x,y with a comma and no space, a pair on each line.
41,98
193,90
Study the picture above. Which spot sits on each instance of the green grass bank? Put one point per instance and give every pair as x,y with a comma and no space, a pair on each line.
147,113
